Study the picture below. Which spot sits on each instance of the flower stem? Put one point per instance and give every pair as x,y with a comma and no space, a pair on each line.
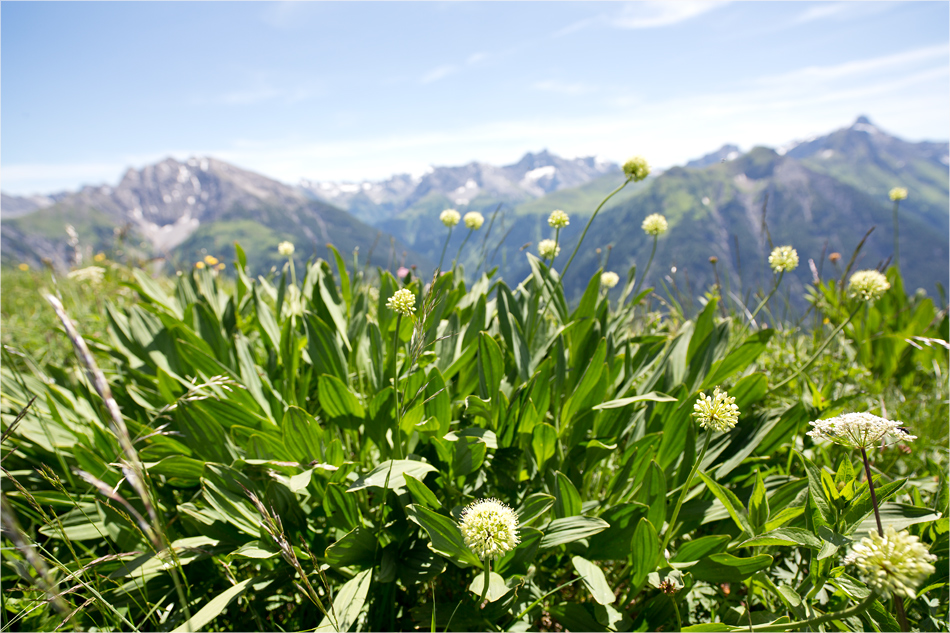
461,246
897,248
647,269
397,432
812,622
445,246
584,234
683,493
487,581
816,354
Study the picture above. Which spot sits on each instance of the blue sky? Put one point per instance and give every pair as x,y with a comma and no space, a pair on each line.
353,90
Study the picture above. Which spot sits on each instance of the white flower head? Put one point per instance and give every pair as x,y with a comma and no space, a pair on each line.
868,284
403,302
490,528
655,224
548,249
895,563
474,220
90,274
609,279
898,193
636,168
718,412
450,217
558,219
783,259
859,430
286,249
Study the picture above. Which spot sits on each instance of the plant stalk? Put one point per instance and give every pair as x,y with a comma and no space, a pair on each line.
397,432
445,246
684,492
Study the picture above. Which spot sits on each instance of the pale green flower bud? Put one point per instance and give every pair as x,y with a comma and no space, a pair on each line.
636,168
450,217
548,249
783,259
893,564
286,249
489,528
609,279
868,284
474,220
898,193
655,224
558,219
403,302
718,412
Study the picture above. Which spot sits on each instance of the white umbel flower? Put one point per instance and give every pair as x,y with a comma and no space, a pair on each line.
655,224
474,220
558,219
548,249
450,217
893,564
898,193
490,528
609,279
859,430
718,412
90,274
868,284
286,249
783,259
403,302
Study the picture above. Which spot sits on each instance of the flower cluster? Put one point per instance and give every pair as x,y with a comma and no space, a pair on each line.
211,260
898,193
655,224
636,168
490,528
859,430
474,220
286,249
718,412
548,249
450,217
403,302
558,219
609,279
895,563
868,284
91,274
783,259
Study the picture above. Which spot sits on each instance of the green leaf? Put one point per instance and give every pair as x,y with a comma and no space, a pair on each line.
739,359
567,501
302,435
444,536
179,467
731,502
534,506
653,396
698,548
898,515
348,603
543,443
594,579
758,503
653,495
357,547
340,507
337,399
491,367
421,493
861,507
817,490
218,604
719,568
496,586
390,473
570,529
784,536
645,550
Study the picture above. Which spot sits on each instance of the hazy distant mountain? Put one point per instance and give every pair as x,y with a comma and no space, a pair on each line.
724,153
535,175
182,211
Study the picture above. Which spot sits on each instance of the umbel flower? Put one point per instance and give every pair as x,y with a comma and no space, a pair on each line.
211,260
636,168
558,219
286,249
548,249
403,302
490,528
474,220
895,563
868,284
91,274
655,224
898,193
609,279
783,258
859,430
450,217
718,412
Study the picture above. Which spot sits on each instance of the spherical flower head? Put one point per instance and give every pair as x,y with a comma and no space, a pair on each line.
609,279
893,564
211,260
558,219
450,217
718,412
898,193
403,302
286,249
655,224
474,220
100,257
636,168
548,249
868,284
199,265
490,528
24,267
859,430
783,259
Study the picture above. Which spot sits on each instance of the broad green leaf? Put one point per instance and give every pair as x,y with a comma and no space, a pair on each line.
594,579
653,495
543,443
340,507
719,568
784,536
817,490
348,603
698,548
357,547
390,473
567,501
758,504
337,399
898,515
861,507
491,367
421,493
534,506
218,604
731,502
653,396
570,529
444,536
645,551
496,586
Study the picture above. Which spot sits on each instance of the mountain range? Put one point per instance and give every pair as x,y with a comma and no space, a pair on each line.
820,195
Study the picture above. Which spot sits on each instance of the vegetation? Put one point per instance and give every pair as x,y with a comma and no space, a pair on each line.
302,451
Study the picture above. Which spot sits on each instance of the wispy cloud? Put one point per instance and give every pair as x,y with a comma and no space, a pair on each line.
561,87
439,72
654,14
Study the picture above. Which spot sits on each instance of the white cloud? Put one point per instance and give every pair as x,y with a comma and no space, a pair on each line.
560,87
653,14
821,11
32,178
858,67
440,72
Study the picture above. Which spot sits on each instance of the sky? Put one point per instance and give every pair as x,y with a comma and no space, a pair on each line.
363,90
